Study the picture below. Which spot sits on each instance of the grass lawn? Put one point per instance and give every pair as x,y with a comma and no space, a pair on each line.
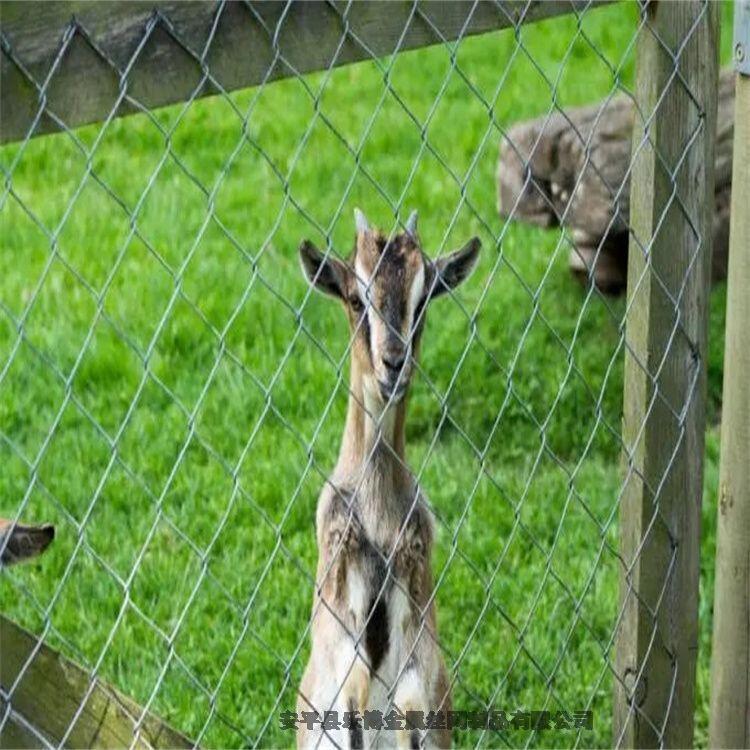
172,395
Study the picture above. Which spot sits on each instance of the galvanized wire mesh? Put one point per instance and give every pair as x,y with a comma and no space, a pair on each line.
178,656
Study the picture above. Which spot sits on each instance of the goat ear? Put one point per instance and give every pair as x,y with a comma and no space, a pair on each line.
21,542
326,274
452,269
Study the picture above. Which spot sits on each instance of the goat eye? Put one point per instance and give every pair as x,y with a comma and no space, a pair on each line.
356,304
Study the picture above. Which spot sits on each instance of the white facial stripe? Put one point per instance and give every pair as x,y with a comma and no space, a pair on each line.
373,321
363,284
415,294
363,281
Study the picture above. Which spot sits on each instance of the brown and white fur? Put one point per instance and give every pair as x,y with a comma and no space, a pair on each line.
374,629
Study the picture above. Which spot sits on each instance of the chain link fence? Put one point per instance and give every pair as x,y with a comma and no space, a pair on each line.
172,394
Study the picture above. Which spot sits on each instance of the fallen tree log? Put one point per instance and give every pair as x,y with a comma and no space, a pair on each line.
572,169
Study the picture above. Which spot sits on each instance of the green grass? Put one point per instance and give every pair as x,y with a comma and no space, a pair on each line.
187,361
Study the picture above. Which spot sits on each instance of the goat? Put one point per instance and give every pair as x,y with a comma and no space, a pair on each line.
373,627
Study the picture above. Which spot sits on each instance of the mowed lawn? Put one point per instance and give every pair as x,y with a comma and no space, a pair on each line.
172,395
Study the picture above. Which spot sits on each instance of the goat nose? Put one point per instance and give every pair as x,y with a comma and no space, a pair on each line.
394,363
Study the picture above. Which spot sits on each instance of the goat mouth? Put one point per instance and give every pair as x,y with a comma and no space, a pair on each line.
392,392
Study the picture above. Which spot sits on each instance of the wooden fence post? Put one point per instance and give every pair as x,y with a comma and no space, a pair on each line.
665,364
730,656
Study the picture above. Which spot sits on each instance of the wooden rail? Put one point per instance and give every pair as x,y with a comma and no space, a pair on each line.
166,48
669,262
46,692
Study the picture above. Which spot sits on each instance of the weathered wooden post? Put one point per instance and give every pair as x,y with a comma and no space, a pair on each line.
665,364
730,657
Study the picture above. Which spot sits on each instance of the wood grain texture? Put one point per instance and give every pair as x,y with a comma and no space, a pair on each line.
730,655
52,688
573,168
665,373
17,733
167,48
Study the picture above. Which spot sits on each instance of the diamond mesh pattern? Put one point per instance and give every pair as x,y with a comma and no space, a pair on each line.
171,394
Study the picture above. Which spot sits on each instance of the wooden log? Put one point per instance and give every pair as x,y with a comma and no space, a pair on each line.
663,429
167,47
45,692
573,169
730,654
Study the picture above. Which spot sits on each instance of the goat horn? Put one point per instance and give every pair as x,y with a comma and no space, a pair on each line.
361,222
411,224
